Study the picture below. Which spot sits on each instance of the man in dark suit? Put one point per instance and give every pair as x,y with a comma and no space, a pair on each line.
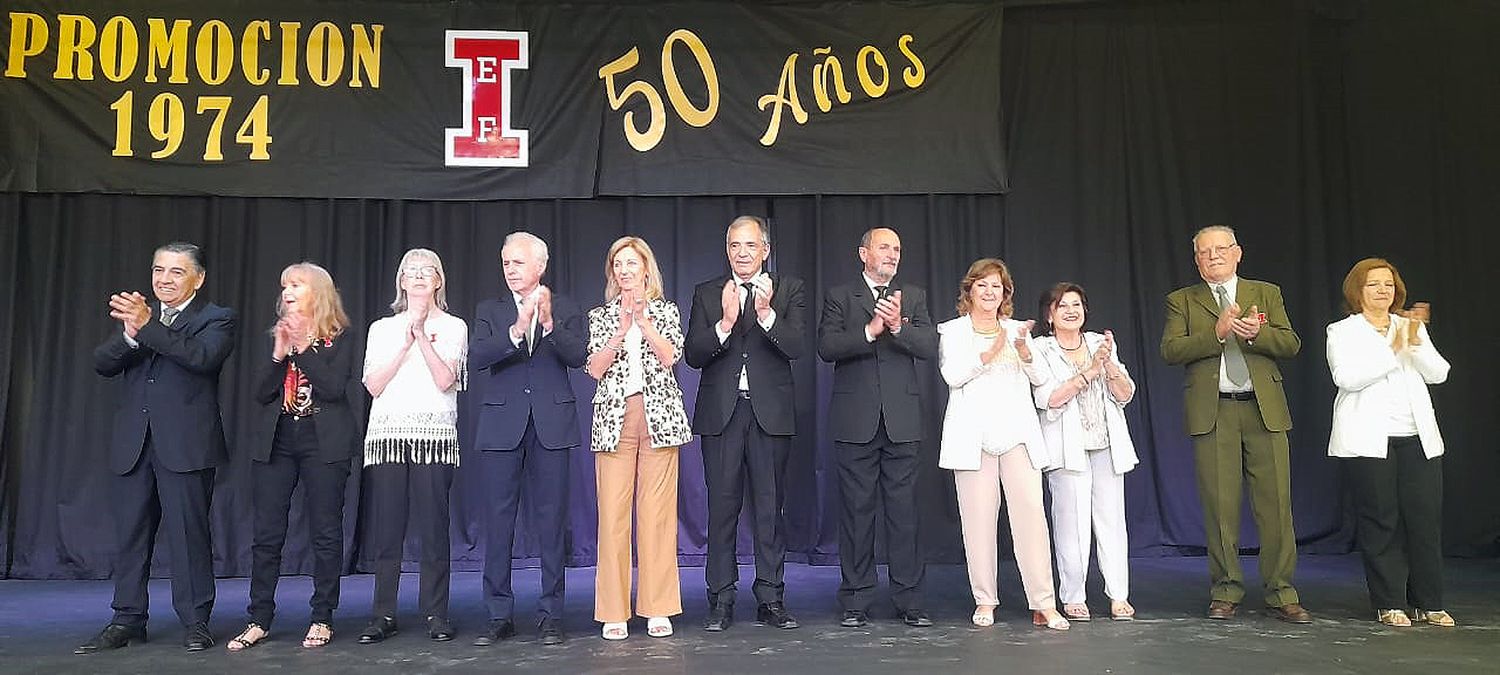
1238,418
875,332
523,344
167,440
745,330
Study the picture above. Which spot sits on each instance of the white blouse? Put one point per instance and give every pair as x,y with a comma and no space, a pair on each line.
412,420
990,405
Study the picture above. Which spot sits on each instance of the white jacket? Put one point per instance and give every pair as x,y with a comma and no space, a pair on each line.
1363,364
985,397
1063,426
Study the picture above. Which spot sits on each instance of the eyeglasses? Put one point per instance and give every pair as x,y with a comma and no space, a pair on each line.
420,271
1215,252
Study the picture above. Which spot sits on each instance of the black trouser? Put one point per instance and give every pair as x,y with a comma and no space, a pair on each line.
545,474
152,496
417,493
1398,502
743,451
889,470
294,458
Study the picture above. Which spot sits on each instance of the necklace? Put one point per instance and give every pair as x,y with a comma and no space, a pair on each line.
1071,349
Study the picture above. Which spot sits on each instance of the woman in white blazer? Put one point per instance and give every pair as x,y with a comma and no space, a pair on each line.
1089,450
1385,431
991,438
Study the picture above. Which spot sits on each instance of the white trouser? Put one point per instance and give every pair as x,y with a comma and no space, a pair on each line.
1090,504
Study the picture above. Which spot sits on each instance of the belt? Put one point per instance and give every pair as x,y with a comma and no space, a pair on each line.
745,394
1237,395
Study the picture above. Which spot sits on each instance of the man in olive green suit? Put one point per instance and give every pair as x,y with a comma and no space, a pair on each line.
1229,332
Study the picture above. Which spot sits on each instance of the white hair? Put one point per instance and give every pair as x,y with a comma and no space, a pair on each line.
757,221
538,247
1214,228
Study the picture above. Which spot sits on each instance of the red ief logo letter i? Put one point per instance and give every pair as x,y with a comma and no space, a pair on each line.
487,138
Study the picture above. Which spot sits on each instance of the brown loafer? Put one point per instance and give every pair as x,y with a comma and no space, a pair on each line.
1291,613
1222,610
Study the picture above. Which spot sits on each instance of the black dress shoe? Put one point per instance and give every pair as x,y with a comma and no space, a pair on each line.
854,618
549,632
720,617
197,638
774,614
439,629
498,630
378,630
114,636
915,618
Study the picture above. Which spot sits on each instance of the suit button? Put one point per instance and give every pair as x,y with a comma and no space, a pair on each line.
527,390
150,380
145,410
744,355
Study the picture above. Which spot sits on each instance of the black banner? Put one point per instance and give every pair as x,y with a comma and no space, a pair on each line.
462,100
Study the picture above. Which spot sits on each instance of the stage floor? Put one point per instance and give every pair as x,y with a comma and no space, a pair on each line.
42,621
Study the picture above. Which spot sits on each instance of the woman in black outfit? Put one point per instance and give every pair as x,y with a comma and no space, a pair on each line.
306,432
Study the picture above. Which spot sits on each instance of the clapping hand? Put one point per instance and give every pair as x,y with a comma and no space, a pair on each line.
544,308
729,300
131,310
763,292
1023,344
888,310
1227,317
1249,327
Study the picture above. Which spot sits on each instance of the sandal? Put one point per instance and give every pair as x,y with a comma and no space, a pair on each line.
251,636
318,635
1393,617
1076,611
659,627
1049,618
615,631
984,616
1120,610
1436,617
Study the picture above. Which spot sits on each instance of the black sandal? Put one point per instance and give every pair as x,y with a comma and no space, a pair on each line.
243,641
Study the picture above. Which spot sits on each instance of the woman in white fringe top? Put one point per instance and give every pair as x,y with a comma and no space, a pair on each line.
414,367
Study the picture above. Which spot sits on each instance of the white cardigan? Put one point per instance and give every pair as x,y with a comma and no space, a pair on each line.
1364,368
1063,426
981,395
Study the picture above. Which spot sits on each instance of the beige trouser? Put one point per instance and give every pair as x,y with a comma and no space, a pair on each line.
979,512
648,476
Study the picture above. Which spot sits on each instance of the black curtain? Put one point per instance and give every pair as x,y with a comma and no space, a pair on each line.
1324,131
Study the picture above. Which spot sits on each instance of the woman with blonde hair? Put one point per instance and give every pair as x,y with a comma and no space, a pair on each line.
1385,433
635,338
305,433
414,367
992,439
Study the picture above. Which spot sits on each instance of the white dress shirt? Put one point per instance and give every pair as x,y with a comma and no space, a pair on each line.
531,329
1227,385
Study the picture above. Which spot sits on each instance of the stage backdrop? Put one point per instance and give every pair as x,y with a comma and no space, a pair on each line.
1324,131
481,100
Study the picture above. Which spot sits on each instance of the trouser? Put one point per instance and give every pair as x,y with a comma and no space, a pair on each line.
151,497
888,470
744,452
636,472
1398,503
979,513
294,458
1240,448
414,495
544,473
1088,506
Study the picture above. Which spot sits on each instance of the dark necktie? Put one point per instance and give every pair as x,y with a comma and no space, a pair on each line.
747,310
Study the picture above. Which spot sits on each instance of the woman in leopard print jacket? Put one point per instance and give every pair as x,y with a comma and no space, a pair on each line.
635,338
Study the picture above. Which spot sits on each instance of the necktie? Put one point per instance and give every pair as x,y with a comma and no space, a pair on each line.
169,314
1234,360
747,311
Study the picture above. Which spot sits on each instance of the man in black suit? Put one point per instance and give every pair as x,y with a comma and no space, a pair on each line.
745,329
167,440
522,346
875,331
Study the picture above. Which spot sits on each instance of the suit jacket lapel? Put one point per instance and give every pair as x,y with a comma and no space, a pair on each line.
186,316
863,298
1204,294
